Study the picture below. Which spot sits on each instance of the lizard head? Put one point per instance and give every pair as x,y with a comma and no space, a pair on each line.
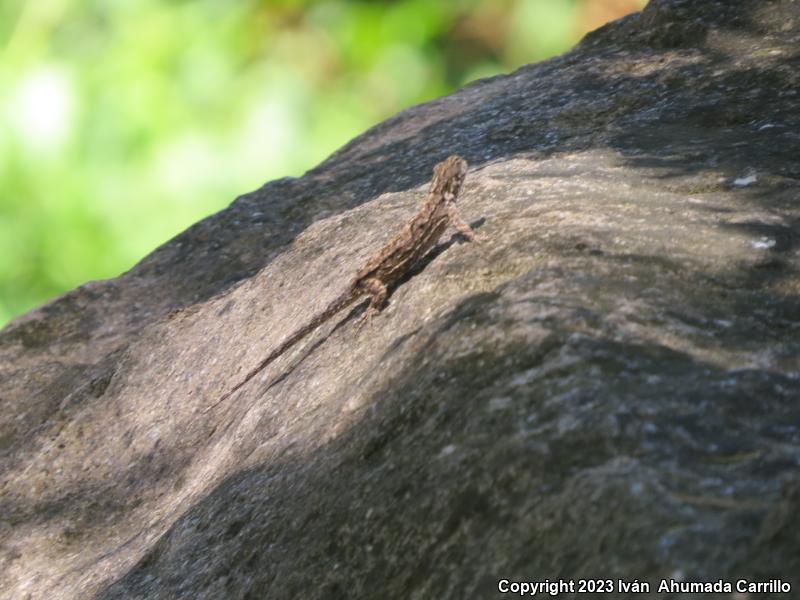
448,177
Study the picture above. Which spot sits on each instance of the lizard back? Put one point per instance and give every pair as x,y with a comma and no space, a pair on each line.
423,231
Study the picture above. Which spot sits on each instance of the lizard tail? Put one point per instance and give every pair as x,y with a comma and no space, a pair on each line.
340,303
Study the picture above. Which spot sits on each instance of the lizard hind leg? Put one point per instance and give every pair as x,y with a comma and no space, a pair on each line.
378,293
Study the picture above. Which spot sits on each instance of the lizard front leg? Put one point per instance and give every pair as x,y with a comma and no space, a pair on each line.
378,293
461,225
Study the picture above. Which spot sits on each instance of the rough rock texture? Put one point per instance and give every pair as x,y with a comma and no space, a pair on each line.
608,387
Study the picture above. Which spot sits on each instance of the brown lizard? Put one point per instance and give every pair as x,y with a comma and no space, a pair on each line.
394,260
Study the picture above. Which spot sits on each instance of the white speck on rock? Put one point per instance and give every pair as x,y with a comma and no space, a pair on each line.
763,243
447,450
499,403
745,181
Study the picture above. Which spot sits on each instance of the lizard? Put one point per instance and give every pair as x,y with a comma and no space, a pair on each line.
387,266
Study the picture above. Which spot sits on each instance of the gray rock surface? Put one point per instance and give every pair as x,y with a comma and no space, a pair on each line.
608,387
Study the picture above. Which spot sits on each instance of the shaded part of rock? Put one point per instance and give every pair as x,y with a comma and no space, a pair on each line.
607,387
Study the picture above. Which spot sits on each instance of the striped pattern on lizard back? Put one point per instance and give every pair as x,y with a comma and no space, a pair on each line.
399,255
423,231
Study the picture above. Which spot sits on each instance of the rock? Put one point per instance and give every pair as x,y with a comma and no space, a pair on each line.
609,387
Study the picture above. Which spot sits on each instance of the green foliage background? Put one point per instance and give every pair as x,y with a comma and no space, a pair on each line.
123,122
